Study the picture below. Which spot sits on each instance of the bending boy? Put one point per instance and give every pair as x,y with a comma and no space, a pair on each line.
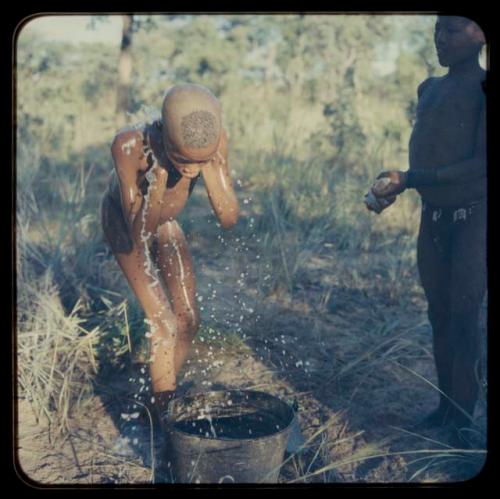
156,167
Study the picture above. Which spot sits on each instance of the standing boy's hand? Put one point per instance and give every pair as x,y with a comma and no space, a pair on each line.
384,191
390,183
377,204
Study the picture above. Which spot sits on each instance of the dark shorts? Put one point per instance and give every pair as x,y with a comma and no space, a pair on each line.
451,253
114,225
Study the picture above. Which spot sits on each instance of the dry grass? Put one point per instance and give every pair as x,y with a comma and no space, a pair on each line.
56,356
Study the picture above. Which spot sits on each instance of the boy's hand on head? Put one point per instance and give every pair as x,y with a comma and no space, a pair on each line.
191,170
194,169
389,184
216,160
156,175
219,158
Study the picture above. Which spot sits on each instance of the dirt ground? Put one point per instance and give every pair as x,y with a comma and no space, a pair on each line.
358,365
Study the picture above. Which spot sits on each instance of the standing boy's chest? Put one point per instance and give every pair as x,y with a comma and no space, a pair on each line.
449,109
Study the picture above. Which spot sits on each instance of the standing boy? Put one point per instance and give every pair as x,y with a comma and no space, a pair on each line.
447,166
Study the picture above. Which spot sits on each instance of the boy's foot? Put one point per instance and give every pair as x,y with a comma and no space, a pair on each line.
462,434
459,438
160,411
435,419
160,404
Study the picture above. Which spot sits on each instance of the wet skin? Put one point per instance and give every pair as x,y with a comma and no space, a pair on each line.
148,188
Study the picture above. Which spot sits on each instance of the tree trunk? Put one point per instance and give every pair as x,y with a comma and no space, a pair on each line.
124,71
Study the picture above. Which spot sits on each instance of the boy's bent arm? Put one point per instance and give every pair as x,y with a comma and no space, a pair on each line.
470,169
141,213
219,187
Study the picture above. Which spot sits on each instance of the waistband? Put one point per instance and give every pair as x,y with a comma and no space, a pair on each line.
473,203
457,213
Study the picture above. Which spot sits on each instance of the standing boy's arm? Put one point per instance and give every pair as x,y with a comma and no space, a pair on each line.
470,169
219,186
399,179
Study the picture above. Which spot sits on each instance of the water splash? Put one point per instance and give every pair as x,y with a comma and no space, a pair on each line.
170,229
149,267
205,413
145,114
129,145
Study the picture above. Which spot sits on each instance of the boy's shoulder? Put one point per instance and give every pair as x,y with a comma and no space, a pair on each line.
428,83
128,139
129,132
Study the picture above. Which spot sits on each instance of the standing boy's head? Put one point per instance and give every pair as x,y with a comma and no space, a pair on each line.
191,122
457,39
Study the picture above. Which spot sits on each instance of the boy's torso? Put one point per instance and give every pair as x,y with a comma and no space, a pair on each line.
178,187
444,133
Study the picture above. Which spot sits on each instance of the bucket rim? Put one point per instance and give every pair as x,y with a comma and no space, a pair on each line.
232,390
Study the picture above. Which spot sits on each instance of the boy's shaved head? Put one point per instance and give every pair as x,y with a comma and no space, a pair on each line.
191,121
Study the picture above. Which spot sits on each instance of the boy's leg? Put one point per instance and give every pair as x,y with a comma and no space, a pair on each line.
159,315
176,266
468,288
137,268
433,258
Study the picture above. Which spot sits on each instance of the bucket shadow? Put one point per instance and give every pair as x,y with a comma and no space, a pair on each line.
125,394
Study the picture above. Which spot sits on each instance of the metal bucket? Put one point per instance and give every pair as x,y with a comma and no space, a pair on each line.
228,436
